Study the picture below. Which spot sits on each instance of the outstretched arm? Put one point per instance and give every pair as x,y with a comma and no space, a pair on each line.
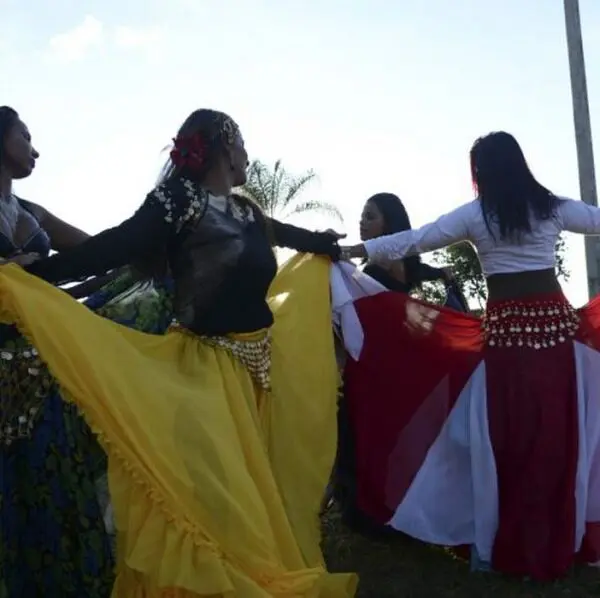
164,210
305,241
93,285
446,230
579,217
108,250
427,272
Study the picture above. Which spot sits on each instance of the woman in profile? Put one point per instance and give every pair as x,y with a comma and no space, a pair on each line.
50,463
495,440
52,534
383,214
220,434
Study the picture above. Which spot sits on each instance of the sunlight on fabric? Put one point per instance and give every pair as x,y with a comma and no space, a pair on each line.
278,300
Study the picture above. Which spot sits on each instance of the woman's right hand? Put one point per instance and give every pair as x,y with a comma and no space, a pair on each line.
420,319
22,259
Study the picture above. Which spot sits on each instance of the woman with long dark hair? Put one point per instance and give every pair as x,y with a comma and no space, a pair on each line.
52,471
220,435
383,214
494,440
52,533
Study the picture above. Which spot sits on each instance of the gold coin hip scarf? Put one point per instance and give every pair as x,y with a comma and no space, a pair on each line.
535,325
254,354
25,383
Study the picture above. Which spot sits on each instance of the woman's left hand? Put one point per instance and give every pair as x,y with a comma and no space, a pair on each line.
420,318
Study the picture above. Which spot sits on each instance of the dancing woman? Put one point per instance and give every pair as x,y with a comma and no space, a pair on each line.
27,230
52,535
383,214
496,440
220,434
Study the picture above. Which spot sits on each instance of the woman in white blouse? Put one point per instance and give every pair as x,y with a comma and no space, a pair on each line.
494,442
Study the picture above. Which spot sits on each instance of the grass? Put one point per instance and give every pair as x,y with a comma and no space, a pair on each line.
405,568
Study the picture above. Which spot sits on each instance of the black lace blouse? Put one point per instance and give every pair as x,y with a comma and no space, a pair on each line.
219,253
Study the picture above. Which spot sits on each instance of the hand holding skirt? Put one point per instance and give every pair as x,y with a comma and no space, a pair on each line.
216,483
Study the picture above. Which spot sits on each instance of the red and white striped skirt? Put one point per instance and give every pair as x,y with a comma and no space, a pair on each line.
483,432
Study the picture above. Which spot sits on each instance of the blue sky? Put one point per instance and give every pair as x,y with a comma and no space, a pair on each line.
373,95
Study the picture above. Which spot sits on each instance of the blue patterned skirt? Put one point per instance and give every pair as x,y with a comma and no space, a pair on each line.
53,541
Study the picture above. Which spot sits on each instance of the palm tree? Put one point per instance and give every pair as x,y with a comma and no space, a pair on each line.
276,191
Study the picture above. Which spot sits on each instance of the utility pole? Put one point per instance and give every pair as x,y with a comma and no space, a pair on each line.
583,135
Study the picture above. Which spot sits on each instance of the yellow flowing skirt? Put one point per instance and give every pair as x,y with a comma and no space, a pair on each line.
216,485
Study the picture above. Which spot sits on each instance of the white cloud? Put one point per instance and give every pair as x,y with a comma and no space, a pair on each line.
138,37
76,44
73,45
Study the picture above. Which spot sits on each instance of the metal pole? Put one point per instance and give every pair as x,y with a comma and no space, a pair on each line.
583,135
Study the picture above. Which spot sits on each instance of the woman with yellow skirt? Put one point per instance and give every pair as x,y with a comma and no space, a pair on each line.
220,434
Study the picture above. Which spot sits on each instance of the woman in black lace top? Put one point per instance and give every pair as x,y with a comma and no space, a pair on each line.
220,435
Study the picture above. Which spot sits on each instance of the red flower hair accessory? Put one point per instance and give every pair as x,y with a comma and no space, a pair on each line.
189,152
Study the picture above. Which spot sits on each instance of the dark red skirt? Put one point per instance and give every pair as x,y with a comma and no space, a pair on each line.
482,432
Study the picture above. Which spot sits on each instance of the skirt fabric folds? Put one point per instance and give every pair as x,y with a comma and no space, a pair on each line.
215,481
481,433
53,539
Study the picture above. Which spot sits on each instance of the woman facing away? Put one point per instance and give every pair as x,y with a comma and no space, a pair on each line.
220,434
52,535
383,214
495,441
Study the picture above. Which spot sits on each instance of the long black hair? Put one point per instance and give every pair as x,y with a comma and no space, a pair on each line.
8,118
509,193
213,128
395,220
217,130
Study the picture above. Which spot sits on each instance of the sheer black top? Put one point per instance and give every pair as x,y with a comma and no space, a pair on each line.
219,253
